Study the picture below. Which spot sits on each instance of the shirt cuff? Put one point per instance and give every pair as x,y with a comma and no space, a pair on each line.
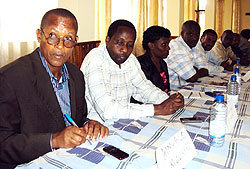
149,110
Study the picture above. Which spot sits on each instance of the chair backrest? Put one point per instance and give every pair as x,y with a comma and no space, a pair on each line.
81,50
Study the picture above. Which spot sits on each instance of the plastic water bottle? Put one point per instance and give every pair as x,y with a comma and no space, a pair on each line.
217,125
233,91
237,71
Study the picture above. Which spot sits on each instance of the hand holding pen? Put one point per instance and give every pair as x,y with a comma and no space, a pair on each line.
74,124
92,128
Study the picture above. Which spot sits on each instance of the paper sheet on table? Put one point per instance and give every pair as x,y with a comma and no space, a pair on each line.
195,95
232,115
246,77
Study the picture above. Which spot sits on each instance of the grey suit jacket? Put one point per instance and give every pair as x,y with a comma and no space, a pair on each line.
29,110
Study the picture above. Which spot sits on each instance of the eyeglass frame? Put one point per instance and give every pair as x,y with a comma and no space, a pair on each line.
58,40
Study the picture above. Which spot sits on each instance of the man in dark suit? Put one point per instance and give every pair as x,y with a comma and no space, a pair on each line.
37,90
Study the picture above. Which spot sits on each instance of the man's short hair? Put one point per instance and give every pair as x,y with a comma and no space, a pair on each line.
189,24
227,32
59,12
245,33
209,31
121,22
153,34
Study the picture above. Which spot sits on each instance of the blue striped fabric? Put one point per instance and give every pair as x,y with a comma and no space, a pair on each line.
61,88
140,138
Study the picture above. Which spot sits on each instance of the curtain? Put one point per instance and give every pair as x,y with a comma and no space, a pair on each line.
219,12
103,12
18,23
148,15
189,9
236,16
142,13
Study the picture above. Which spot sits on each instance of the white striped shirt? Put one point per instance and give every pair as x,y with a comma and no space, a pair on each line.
110,87
181,62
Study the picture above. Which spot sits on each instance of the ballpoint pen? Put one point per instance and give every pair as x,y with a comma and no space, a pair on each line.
74,124
190,95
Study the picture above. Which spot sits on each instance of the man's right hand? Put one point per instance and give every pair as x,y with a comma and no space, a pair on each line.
70,137
170,105
227,65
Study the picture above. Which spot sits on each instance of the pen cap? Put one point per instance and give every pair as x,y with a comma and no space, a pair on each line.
220,98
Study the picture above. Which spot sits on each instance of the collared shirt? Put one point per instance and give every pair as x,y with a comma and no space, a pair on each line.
110,87
61,88
181,62
211,58
244,46
222,52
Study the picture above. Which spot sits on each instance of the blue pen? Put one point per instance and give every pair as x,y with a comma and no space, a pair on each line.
70,119
74,124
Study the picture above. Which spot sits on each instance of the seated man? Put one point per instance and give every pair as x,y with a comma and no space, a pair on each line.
37,90
184,63
206,43
244,42
223,48
113,75
237,51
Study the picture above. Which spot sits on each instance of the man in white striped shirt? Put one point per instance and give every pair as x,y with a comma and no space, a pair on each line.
184,63
113,75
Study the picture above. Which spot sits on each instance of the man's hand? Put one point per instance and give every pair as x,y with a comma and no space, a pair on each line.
227,65
70,137
170,105
92,129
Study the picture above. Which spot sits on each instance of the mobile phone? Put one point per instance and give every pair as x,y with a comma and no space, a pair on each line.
211,94
191,120
116,152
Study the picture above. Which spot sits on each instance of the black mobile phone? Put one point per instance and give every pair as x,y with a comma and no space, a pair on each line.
116,152
212,94
191,120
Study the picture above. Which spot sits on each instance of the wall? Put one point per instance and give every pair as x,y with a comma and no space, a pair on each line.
175,16
245,20
210,15
84,10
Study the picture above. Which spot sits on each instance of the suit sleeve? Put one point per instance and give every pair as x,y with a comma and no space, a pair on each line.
17,147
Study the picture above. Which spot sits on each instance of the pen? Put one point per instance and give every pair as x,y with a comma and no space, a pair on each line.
200,94
70,119
74,124
190,95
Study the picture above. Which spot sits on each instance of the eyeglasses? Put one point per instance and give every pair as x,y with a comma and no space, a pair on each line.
68,41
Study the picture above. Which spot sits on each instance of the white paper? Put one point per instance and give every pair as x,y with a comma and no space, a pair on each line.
232,116
246,77
176,152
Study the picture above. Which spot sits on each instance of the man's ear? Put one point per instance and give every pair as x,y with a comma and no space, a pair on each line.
107,39
182,33
151,45
39,35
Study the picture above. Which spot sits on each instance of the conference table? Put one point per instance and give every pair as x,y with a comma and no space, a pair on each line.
141,137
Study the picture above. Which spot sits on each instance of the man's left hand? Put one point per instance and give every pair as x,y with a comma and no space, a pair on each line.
92,129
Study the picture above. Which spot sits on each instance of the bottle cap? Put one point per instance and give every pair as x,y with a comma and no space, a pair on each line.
220,98
238,61
236,70
233,78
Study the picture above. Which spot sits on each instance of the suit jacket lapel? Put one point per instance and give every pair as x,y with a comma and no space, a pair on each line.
45,90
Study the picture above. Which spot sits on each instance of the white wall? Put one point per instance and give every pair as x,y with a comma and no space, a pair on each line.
84,10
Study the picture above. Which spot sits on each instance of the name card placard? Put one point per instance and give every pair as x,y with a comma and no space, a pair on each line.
176,152
246,77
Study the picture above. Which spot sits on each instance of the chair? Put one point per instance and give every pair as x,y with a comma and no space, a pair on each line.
81,50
